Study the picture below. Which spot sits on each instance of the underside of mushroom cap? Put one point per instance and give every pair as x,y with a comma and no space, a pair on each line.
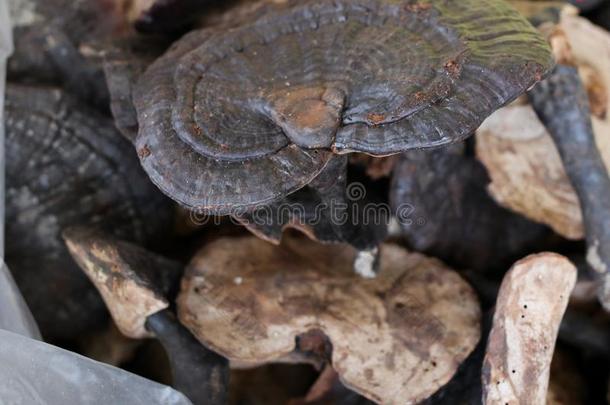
395,339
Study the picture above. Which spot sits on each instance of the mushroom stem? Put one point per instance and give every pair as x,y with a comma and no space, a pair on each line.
347,216
562,105
199,373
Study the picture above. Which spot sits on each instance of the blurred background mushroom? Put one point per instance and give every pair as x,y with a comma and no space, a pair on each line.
443,209
67,166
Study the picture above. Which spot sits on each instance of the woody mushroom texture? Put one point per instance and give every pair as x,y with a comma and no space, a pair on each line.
231,120
251,301
135,285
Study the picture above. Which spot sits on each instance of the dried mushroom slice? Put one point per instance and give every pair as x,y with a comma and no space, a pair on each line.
66,165
395,339
531,303
366,75
132,281
526,172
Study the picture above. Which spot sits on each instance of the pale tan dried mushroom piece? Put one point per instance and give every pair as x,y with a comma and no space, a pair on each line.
527,174
530,305
126,277
396,339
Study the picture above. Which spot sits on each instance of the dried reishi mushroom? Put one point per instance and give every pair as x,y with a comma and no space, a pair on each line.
66,165
529,308
524,165
262,169
441,203
246,116
250,300
132,281
134,284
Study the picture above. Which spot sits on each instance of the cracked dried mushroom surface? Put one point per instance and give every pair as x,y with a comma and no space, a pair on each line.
399,337
249,115
525,168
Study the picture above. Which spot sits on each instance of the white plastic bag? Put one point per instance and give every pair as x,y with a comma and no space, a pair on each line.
32,372
14,314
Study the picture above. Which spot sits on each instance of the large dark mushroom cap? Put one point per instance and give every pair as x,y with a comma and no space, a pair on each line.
198,167
237,116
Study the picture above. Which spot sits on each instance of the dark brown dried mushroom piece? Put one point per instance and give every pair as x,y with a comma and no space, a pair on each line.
326,210
530,305
134,284
441,203
247,116
66,165
250,300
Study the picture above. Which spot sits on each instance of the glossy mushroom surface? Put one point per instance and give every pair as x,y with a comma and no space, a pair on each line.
395,339
246,116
